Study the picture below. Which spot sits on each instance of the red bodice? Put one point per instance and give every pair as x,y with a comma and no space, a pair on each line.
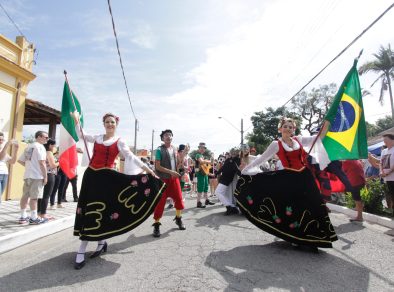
104,156
294,160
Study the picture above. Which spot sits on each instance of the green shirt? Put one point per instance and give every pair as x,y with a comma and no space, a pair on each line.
158,154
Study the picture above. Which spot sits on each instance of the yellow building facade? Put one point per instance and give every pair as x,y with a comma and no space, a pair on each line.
16,62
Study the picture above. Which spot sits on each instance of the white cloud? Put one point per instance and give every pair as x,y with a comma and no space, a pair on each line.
143,36
265,55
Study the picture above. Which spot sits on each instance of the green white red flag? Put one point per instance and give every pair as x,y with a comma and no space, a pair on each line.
68,158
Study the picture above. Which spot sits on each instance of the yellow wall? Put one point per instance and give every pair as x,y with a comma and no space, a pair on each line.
15,66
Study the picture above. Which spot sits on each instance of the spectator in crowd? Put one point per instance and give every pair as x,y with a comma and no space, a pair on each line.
354,171
372,170
35,177
73,182
60,183
387,169
193,178
6,159
52,166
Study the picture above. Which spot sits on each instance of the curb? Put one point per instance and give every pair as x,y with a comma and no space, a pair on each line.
17,239
387,222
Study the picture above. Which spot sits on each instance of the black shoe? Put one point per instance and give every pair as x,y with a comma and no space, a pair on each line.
64,200
200,205
102,250
170,206
156,229
178,221
76,200
234,210
80,265
228,211
208,202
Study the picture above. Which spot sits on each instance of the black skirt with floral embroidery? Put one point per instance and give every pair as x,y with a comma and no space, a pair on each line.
286,204
111,203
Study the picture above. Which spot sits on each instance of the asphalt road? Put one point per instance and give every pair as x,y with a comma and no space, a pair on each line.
215,253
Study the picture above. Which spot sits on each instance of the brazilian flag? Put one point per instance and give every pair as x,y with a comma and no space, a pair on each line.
347,136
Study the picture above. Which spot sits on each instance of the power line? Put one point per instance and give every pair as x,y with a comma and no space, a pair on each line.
344,50
13,22
120,59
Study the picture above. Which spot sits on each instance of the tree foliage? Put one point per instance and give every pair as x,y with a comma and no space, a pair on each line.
379,126
312,106
265,126
383,65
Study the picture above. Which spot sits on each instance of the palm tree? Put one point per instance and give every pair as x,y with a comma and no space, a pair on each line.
384,66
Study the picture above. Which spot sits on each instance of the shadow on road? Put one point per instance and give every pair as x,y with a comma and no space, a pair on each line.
57,271
278,265
215,220
132,240
348,228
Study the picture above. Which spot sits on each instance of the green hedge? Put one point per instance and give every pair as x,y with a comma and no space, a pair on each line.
372,195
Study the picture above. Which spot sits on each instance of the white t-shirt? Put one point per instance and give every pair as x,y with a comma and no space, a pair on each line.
172,157
387,161
3,164
33,154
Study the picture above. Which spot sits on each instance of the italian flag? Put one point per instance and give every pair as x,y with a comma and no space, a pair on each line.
68,158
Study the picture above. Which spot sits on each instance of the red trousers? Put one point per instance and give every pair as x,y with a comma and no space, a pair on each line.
172,191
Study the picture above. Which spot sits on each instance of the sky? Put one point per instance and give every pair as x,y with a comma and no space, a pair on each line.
189,62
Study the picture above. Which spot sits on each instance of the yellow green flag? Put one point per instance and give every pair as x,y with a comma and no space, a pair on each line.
347,136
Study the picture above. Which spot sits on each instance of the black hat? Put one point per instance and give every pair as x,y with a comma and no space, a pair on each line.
181,147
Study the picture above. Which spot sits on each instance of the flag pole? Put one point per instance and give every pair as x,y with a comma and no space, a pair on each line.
75,109
317,137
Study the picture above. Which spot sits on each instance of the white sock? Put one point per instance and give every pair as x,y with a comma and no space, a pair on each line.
100,245
81,251
23,213
33,214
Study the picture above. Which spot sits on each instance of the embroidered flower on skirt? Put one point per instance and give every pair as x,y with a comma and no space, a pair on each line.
114,216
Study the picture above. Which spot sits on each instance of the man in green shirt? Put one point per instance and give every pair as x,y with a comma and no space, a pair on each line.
202,178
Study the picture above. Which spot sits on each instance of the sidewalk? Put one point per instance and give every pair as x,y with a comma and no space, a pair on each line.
13,234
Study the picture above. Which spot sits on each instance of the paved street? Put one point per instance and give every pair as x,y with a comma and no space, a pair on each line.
215,253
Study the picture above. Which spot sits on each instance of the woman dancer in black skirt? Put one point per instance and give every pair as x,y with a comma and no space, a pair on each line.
111,203
286,203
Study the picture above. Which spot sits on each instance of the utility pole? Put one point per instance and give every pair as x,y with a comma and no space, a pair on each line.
151,153
242,131
135,136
